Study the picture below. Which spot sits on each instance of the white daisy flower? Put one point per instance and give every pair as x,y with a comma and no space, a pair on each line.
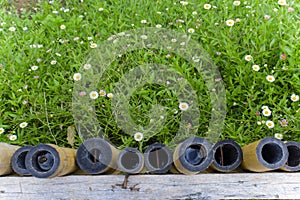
278,136
77,77
267,17
236,3
100,9
138,136
294,97
33,68
144,21
87,66
282,2
62,27
270,124
230,22
256,68
158,26
2,130
183,106
144,37
267,112
12,29
264,107
270,78
248,57
191,30
184,3
207,6
93,45
94,95
110,95
53,62
12,137
23,124
102,93
25,28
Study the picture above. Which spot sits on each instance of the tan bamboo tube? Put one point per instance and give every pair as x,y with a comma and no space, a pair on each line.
293,162
264,155
131,161
18,161
6,152
49,160
227,156
193,155
97,156
158,158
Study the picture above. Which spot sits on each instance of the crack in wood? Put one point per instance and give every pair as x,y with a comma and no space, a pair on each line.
193,196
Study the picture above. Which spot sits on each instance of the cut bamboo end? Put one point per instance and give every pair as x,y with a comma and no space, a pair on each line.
264,155
48,160
96,156
130,160
293,162
6,153
193,155
158,158
18,161
227,156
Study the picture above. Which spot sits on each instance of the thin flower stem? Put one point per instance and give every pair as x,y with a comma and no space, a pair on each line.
46,112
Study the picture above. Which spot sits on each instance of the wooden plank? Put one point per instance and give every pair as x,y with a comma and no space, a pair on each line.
202,186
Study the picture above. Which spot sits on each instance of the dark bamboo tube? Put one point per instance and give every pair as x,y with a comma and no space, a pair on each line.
158,158
193,155
6,153
48,160
264,155
18,161
130,160
227,156
97,156
293,162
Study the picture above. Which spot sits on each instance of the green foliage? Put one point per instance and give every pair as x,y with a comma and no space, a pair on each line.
43,97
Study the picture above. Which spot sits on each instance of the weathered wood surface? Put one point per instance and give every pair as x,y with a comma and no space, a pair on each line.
203,186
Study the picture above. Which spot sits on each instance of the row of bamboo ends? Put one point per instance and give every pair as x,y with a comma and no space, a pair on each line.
192,156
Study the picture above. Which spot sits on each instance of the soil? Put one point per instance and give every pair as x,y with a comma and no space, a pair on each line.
23,4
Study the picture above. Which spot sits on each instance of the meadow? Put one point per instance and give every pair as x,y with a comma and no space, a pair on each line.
43,46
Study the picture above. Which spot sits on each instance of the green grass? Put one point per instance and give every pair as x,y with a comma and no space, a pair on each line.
43,97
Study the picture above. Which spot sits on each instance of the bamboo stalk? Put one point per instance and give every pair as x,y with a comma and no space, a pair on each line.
293,162
264,155
158,158
97,156
193,155
18,161
49,160
227,156
6,152
131,161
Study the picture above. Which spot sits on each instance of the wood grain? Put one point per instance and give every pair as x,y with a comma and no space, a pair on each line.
176,187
